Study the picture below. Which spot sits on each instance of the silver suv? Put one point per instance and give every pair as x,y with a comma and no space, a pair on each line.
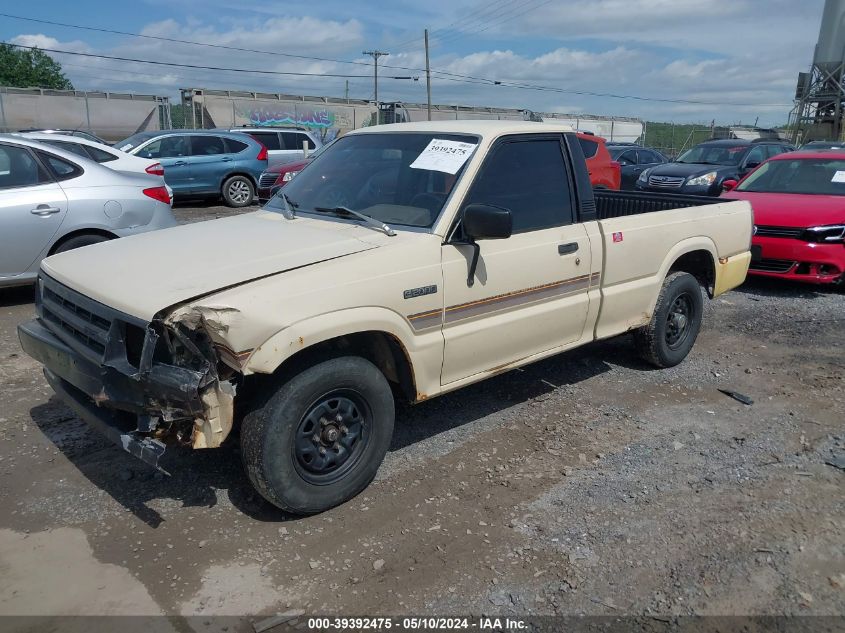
284,145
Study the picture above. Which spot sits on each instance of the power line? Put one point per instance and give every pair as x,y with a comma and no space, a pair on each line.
444,75
195,66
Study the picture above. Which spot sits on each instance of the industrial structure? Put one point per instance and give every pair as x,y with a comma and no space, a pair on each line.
332,116
820,94
109,115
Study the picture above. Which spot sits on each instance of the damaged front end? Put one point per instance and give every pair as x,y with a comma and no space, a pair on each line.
144,385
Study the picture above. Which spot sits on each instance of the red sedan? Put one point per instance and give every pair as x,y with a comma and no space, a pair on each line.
799,216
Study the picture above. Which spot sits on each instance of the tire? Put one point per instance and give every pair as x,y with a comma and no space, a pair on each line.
278,446
238,191
675,324
79,241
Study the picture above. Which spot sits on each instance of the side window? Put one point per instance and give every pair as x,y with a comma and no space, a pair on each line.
530,179
270,140
99,155
233,146
18,168
75,148
294,140
588,147
207,146
627,158
774,150
647,157
756,155
167,147
62,169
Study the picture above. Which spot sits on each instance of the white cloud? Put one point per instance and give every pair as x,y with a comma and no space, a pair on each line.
721,51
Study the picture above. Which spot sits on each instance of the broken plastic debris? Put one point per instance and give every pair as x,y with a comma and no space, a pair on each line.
737,396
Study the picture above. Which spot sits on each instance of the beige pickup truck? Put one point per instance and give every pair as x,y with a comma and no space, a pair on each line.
404,262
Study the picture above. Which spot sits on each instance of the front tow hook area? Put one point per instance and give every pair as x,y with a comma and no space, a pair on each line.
106,421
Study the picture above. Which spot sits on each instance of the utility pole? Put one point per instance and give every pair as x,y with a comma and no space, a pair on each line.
427,75
375,55
347,90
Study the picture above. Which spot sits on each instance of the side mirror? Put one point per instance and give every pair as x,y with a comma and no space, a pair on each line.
729,184
486,222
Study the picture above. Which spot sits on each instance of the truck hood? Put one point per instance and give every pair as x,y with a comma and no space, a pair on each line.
792,209
144,274
688,170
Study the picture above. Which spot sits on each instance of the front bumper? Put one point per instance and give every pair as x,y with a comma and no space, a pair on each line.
797,260
122,403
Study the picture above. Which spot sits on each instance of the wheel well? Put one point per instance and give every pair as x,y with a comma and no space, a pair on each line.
380,348
700,265
79,233
240,173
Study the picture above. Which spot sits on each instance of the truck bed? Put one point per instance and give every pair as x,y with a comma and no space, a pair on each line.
616,204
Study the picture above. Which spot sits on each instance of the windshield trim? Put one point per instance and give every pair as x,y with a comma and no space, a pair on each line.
396,226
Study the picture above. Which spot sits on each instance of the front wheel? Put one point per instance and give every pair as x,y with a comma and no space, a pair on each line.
674,326
238,191
321,437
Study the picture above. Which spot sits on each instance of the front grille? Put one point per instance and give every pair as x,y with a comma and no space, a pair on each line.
74,317
772,265
778,231
667,182
267,180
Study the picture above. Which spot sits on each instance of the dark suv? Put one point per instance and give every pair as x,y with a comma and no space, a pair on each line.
702,169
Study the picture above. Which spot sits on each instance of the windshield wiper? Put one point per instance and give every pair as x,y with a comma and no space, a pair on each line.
288,206
369,221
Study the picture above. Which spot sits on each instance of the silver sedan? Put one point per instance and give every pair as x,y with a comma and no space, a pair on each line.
52,200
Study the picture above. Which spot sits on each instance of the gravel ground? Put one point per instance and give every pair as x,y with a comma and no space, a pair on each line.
583,484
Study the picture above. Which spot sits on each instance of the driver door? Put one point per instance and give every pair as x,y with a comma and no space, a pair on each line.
529,293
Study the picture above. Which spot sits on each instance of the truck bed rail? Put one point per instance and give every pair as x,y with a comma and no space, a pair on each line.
615,204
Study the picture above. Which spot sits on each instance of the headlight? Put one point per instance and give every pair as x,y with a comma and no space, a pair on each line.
831,234
707,179
644,175
288,176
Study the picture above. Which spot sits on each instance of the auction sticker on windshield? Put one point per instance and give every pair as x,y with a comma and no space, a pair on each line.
839,176
443,155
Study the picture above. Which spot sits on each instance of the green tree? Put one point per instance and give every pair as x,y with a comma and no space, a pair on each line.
30,68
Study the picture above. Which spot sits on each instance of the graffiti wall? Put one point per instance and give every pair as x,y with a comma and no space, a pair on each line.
327,120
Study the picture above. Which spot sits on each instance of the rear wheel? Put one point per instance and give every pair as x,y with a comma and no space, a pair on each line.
321,437
238,191
674,326
79,241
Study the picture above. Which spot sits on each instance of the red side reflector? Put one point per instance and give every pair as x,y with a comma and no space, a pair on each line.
262,154
158,193
155,169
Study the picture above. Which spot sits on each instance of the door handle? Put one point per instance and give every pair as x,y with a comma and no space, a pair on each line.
566,249
179,163
43,210
226,159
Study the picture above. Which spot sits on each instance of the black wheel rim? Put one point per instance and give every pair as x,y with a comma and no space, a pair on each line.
332,436
679,321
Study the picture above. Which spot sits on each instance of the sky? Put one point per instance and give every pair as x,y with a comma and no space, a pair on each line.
735,61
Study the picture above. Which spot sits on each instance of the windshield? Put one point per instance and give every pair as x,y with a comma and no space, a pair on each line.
397,178
132,142
714,155
809,175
